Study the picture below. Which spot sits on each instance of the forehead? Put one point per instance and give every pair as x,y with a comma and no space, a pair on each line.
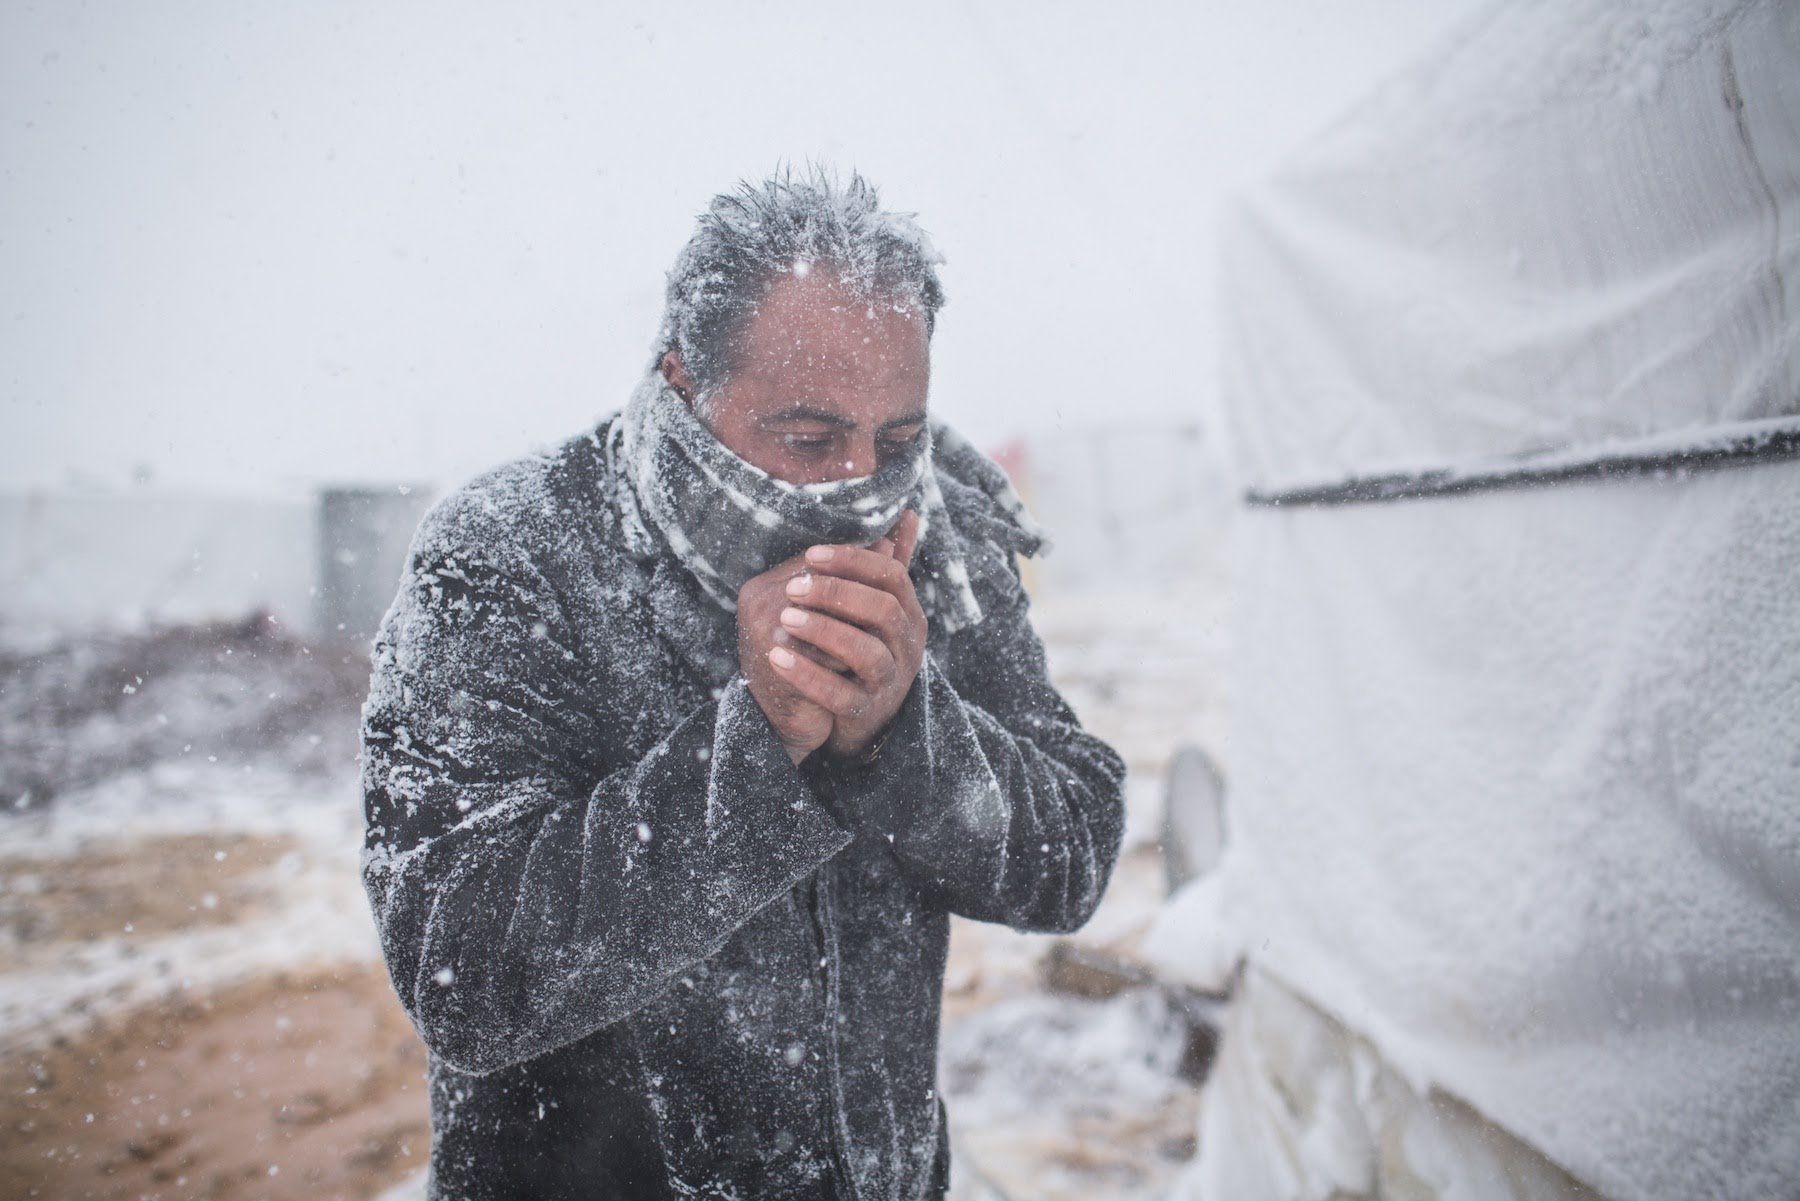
813,326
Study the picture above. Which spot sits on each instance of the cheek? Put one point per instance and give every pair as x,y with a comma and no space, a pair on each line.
769,453
738,434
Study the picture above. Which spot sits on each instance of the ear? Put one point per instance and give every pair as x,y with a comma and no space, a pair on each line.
677,375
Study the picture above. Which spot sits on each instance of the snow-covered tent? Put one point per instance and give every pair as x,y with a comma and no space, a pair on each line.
1514,379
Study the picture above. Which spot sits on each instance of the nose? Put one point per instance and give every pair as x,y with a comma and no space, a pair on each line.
860,458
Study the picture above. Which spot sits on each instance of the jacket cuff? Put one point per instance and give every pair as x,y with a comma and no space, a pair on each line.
746,750
931,779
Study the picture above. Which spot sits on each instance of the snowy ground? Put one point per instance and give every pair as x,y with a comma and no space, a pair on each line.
190,998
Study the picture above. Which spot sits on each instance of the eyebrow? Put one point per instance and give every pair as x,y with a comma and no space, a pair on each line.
838,420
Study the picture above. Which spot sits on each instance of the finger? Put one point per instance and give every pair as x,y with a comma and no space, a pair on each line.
831,692
863,565
867,656
878,611
793,714
783,638
760,597
906,538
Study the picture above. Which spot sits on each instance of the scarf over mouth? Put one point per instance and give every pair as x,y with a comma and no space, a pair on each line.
728,521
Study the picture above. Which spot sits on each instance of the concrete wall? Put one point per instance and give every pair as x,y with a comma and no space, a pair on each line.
325,565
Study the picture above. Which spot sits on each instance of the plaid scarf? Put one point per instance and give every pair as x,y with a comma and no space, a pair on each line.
727,521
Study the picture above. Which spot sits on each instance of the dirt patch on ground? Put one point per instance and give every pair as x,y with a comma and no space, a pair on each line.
136,890
303,1085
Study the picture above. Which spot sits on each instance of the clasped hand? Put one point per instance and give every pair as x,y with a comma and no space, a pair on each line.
831,641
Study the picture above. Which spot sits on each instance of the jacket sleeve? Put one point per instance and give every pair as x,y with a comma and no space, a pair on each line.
988,789
524,897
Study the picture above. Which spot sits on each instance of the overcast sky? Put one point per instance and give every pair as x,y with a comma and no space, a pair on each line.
260,246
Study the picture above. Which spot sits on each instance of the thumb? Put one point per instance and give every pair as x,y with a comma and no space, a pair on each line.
906,537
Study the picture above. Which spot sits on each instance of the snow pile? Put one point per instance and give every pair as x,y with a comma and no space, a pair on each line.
1064,1099
81,708
126,745
1326,1117
310,907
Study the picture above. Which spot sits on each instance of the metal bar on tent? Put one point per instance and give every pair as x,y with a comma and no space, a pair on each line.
1753,443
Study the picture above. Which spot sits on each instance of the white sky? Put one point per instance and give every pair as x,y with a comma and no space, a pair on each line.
259,246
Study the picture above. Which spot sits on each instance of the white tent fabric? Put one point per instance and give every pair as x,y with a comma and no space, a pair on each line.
1579,222
1515,786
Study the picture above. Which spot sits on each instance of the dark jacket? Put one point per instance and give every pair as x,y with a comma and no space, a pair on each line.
650,957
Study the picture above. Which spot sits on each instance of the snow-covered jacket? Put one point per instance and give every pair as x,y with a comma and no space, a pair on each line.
649,956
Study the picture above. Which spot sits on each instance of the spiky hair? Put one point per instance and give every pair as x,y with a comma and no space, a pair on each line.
790,223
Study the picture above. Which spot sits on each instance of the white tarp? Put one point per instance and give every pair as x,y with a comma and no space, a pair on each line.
1580,221
1515,776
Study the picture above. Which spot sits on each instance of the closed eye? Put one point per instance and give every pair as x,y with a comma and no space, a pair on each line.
809,444
904,439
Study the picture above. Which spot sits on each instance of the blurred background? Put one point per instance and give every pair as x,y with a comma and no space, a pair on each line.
274,277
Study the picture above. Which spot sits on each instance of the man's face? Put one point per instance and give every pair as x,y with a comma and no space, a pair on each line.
825,387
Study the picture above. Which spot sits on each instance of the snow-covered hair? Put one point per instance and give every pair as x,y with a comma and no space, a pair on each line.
757,233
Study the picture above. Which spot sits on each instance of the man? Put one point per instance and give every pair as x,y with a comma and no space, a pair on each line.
686,738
